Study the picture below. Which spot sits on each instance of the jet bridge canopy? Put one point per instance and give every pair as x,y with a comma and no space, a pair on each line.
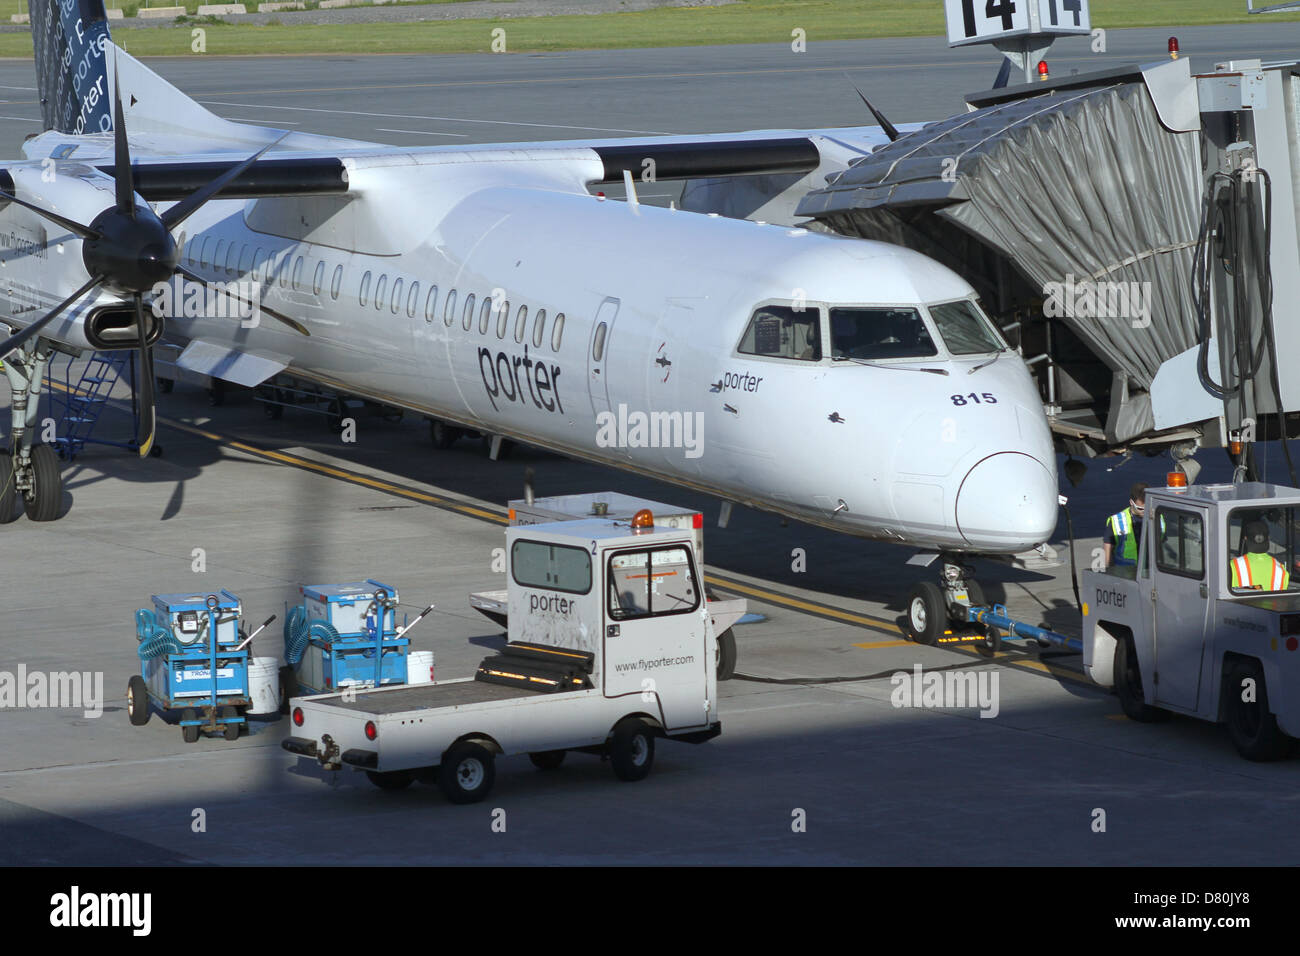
1045,199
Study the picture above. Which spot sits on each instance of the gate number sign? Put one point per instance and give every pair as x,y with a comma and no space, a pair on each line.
979,21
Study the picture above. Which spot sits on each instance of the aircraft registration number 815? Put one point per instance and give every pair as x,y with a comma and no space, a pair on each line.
983,398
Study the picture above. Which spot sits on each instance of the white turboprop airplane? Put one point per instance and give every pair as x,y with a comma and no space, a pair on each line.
844,383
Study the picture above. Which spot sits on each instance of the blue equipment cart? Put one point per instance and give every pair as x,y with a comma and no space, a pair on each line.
342,635
193,658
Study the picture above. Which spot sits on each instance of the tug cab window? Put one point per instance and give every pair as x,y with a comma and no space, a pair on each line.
537,564
879,333
1180,547
1262,549
650,583
779,331
965,329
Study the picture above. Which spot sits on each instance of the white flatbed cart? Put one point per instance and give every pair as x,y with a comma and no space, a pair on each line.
611,647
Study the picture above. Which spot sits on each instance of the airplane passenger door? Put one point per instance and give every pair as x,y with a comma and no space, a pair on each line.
598,355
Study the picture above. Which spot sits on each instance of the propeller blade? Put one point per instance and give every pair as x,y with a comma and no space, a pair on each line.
76,228
278,316
1004,74
19,338
178,213
144,384
890,130
121,154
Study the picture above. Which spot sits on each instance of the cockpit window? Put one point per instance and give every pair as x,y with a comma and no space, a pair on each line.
879,334
964,328
778,331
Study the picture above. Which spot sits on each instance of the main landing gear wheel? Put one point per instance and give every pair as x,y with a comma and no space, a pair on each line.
8,489
927,613
1251,726
46,494
466,773
137,701
1128,685
442,435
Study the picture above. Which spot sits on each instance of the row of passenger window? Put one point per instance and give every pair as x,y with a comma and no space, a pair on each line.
490,310
240,259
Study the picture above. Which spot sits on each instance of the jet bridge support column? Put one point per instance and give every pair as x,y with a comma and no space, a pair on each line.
1249,253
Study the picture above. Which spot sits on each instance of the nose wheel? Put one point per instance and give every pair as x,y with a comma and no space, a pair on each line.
935,609
927,613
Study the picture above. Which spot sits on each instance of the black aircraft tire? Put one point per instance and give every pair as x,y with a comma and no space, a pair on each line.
927,613
46,496
8,489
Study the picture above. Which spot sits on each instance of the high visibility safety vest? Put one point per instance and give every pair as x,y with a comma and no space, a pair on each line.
1126,546
1259,571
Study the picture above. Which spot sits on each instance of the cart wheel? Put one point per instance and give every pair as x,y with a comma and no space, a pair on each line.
228,730
547,759
992,639
632,750
165,385
156,451
288,687
190,732
137,701
1128,685
1252,727
726,654
391,779
467,773
217,393
926,613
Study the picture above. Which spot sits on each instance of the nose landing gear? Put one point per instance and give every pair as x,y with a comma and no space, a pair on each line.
937,611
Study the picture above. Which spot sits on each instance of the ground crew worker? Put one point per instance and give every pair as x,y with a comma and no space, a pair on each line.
1257,568
1124,529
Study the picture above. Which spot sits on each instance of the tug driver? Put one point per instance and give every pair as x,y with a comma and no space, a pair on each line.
1257,569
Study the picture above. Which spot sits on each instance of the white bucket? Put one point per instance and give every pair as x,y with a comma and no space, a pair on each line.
419,667
264,685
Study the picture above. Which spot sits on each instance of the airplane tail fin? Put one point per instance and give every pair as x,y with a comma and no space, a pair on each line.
71,43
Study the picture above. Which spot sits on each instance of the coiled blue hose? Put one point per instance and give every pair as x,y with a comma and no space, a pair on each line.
297,634
155,640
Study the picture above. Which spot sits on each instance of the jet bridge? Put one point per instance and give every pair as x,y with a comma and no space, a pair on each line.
1131,230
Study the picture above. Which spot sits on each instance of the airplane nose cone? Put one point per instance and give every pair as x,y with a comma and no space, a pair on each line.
1007,502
